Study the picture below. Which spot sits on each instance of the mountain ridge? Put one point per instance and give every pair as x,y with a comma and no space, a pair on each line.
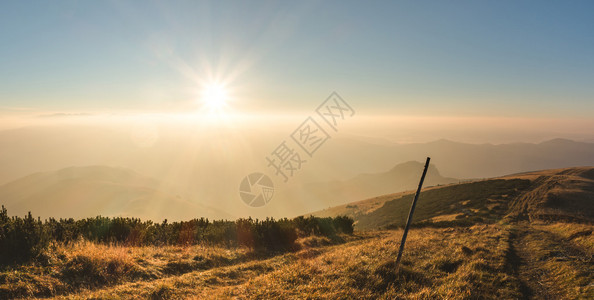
556,194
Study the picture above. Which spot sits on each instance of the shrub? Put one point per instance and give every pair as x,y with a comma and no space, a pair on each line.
26,238
21,238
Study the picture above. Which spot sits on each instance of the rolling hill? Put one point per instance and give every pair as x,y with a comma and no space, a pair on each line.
521,236
80,192
100,190
35,149
546,195
207,165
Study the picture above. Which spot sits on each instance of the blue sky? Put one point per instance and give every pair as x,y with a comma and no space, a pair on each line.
448,58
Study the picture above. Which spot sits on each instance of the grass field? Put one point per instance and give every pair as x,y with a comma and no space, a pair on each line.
496,261
528,236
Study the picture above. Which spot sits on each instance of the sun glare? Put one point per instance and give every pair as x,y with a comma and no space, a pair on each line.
214,98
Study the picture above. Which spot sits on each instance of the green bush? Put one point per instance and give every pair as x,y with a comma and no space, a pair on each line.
25,238
21,238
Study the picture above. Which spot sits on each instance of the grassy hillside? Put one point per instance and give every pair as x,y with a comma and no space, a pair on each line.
563,194
478,201
558,194
478,262
525,236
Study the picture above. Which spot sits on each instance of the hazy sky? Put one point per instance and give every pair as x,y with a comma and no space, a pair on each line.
520,59
414,71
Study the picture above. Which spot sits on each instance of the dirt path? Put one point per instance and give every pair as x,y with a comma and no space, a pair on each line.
530,274
545,262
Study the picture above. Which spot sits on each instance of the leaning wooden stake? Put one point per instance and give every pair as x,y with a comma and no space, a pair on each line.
410,215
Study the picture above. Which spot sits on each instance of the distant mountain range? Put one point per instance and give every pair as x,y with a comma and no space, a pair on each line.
400,178
81,192
204,167
28,150
461,160
100,190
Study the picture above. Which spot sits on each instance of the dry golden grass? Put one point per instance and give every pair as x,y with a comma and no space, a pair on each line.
579,234
67,269
505,257
478,262
450,217
553,264
445,263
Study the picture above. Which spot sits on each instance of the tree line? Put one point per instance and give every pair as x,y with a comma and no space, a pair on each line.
25,238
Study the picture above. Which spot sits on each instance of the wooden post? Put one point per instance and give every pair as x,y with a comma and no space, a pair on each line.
410,215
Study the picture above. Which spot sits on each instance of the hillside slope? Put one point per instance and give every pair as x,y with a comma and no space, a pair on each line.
552,194
465,253
558,194
477,262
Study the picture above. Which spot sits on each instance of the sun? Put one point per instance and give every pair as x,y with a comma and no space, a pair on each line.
214,98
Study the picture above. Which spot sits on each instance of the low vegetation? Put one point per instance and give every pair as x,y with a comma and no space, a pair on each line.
475,262
22,239
478,240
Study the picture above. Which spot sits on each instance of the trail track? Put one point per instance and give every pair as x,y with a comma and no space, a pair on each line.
540,255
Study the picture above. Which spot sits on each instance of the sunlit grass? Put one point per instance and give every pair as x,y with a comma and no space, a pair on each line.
464,262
